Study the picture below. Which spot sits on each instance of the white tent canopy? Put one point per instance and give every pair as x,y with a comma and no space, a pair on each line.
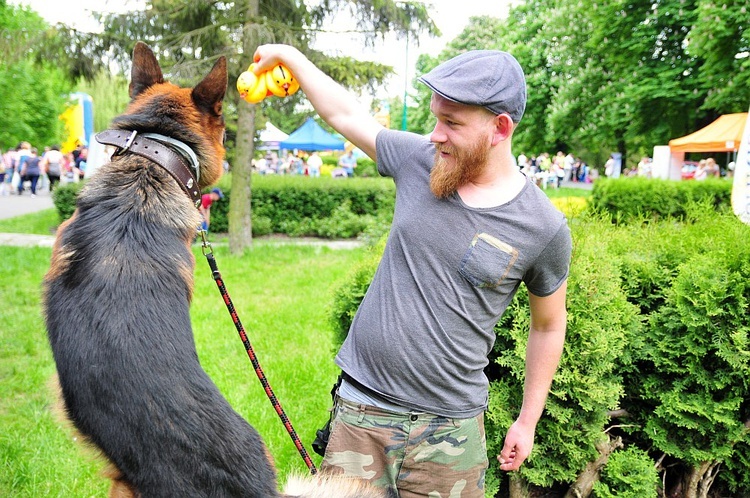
270,136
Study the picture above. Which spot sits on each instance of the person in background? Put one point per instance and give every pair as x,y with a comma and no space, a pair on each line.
30,170
23,150
609,166
205,208
644,167
52,164
347,162
461,243
712,168
81,158
701,172
3,168
314,162
67,167
9,161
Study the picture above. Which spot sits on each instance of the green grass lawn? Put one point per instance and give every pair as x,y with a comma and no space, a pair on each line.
281,292
40,223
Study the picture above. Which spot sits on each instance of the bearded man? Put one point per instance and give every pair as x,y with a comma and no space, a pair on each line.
468,229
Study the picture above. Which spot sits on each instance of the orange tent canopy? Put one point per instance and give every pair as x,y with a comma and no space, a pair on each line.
723,135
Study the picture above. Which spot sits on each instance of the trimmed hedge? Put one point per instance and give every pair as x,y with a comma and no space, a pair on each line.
298,205
630,198
294,205
366,167
658,326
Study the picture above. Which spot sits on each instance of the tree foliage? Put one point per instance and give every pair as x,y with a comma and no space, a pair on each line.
616,76
33,90
190,34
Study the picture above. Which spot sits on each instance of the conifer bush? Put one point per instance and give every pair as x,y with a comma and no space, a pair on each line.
64,198
657,356
601,324
629,473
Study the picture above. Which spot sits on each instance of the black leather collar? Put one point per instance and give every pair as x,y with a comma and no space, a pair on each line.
174,163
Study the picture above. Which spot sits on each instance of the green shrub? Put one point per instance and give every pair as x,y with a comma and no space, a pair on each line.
688,379
261,226
315,206
658,325
696,374
628,199
296,205
629,473
588,383
348,296
64,198
366,167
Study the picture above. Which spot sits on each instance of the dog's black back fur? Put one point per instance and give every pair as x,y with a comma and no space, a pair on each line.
117,302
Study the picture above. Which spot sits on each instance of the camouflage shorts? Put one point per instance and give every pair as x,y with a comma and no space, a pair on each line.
416,454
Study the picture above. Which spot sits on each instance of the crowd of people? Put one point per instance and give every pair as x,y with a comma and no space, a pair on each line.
707,168
303,164
23,165
548,171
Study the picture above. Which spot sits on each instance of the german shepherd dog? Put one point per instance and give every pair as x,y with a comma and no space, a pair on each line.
117,298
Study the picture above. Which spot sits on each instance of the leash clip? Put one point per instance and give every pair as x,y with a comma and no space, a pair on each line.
206,246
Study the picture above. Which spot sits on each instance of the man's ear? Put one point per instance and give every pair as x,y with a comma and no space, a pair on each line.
504,127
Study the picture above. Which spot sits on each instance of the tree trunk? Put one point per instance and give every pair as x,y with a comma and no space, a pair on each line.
697,481
240,213
517,487
585,483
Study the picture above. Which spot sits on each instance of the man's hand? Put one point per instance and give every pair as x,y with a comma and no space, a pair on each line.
517,447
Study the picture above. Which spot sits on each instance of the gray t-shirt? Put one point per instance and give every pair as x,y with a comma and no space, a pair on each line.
422,334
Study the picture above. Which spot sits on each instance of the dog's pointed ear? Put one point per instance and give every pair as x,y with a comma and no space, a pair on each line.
146,71
209,93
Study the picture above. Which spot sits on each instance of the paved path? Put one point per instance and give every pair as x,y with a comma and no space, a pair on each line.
12,205
26,240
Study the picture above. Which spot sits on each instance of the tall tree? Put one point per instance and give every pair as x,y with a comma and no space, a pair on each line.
33,91
721,36
191,33
617,76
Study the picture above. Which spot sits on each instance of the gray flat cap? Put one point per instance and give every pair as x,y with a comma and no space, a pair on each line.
487,78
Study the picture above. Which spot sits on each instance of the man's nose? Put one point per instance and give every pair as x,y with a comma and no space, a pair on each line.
438,133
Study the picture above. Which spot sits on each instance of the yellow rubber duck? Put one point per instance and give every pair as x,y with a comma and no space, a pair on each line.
280,81
252,87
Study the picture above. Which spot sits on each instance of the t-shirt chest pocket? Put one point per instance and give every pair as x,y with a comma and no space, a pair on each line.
488,261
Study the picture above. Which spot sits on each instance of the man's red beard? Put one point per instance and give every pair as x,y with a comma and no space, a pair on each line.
469,164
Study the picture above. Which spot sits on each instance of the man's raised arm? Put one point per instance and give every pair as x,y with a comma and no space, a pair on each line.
336,105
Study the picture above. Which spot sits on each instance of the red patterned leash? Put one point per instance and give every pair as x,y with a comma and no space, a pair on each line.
208,253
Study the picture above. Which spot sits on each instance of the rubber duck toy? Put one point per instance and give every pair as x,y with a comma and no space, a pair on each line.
278,81
252,87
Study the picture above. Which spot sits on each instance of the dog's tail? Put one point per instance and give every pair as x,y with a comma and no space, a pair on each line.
331,486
